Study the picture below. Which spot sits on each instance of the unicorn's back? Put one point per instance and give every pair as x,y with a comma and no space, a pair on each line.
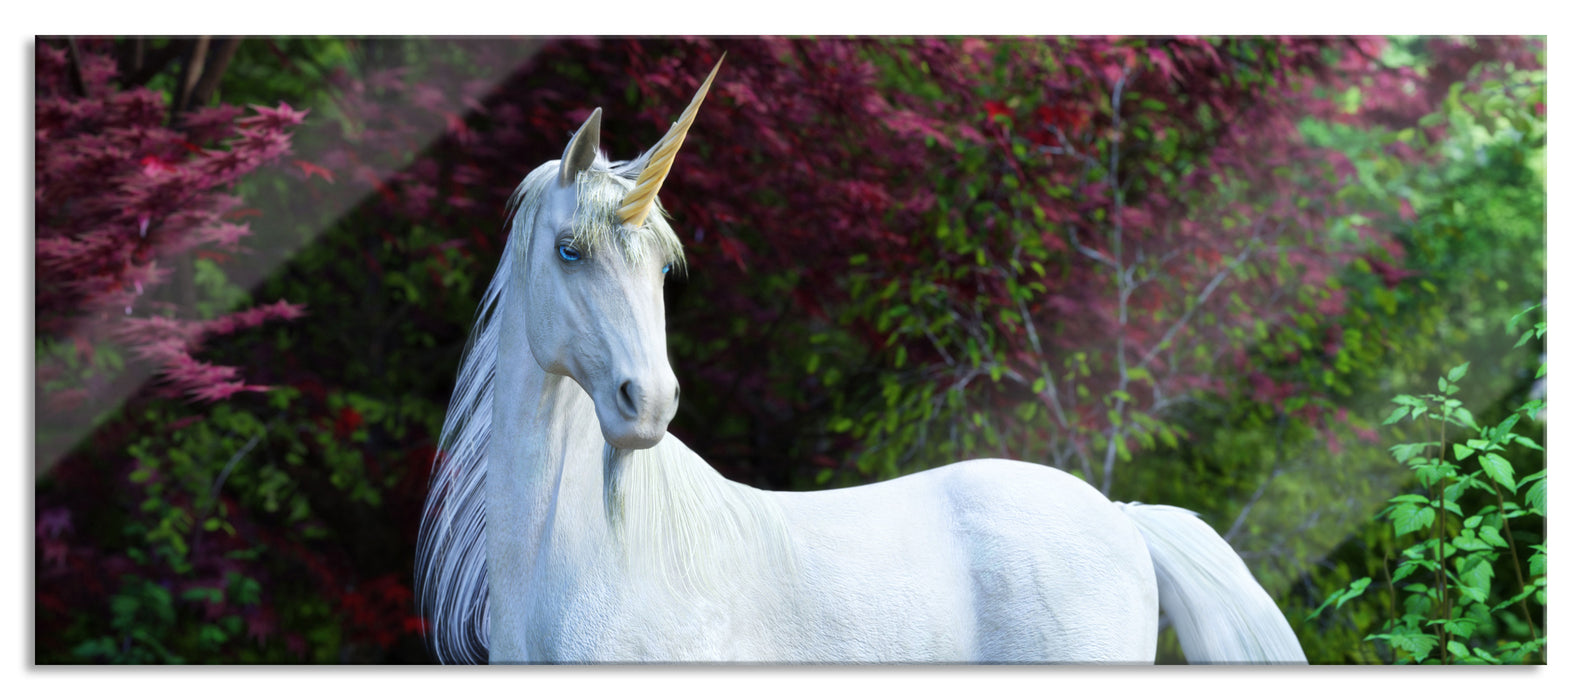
985,560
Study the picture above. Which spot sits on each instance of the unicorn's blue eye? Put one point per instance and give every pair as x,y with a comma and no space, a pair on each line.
666,269
570,254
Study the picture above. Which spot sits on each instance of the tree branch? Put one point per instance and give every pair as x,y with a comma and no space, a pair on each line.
1051,394
78,85
213,72
1241,519
1202,297
1122,281
147,64
191,70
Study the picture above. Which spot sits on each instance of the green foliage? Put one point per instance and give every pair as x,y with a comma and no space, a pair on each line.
1453,608
1468,183
305,492
234,506
147,627
298,69
1069,182
1298,497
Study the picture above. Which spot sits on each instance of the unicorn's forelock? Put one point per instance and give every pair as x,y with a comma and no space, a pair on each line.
596,226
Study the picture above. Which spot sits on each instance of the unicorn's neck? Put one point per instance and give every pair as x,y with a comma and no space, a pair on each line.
545,446
661,517
544,452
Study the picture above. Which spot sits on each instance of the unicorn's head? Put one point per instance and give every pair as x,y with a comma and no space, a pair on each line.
595,255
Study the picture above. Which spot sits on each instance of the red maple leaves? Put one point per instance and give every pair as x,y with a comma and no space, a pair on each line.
118,196
310,170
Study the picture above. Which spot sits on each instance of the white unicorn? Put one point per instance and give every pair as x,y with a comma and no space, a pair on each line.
564,524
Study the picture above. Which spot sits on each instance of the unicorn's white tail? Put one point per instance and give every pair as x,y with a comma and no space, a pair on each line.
1219,611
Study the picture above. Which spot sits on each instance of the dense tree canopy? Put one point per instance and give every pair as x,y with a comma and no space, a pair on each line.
1189,270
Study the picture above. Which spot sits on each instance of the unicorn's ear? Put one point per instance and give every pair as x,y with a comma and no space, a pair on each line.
582,149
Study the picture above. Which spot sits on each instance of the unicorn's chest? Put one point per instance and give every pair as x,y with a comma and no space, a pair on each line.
625,621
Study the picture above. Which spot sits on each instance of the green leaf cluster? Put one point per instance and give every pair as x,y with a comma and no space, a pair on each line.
1472,557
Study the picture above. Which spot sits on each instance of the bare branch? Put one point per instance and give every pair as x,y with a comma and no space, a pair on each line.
1241,519
1123,290
939,346
214,491
1051,395
146,63
213,72
78,85
1203,296
191,70
1071,235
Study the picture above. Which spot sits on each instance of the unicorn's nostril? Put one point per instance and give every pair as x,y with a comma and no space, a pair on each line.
625,401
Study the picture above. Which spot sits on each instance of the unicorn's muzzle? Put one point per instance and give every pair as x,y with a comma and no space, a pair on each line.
642,411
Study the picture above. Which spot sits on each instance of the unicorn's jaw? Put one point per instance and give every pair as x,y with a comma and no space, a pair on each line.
632,437
636,409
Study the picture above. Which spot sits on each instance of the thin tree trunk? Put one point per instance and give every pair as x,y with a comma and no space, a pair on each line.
213,70
200,78
77,84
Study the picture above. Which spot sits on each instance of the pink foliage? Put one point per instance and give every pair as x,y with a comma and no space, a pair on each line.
119,195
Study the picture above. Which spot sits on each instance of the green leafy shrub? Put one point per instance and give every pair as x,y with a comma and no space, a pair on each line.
1459,544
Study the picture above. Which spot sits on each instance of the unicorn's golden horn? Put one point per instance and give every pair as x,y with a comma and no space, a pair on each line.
634,209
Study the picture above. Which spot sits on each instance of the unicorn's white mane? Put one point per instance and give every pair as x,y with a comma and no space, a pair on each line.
451,583
676,520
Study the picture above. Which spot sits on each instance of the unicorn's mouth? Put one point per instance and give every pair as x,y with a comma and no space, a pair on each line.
635,415
633,439
634,434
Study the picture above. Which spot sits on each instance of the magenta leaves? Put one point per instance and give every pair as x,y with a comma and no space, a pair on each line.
119,196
